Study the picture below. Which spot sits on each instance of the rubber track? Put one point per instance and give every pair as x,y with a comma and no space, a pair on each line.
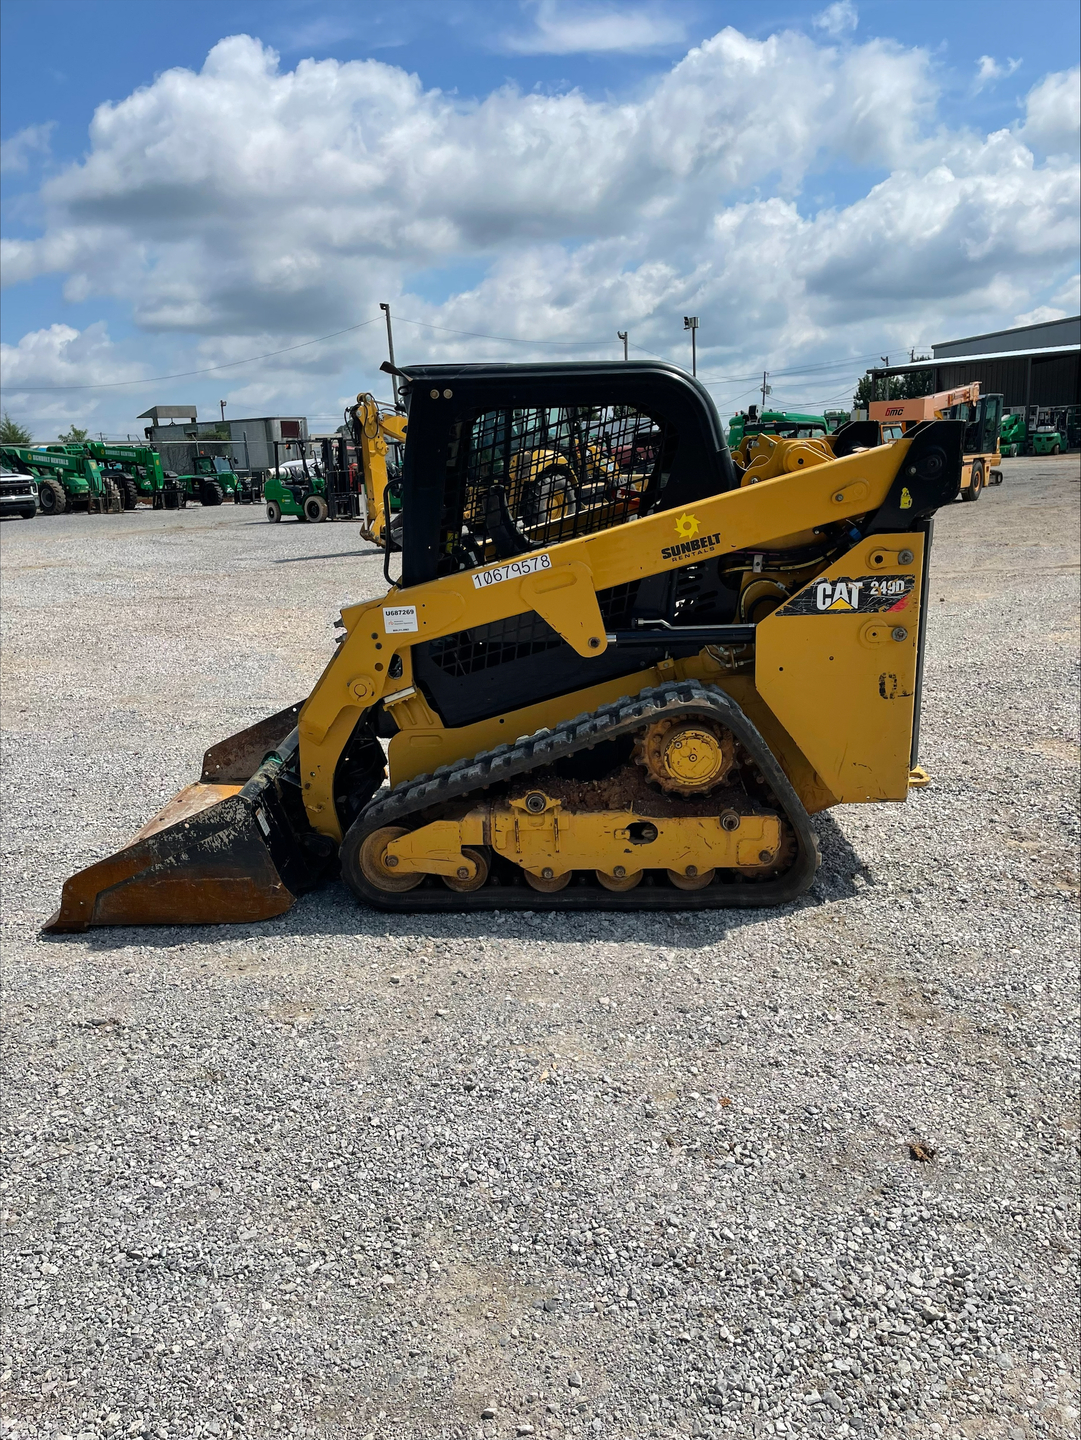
406,803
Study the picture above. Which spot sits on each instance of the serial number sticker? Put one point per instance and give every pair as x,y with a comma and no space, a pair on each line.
400,619
527,565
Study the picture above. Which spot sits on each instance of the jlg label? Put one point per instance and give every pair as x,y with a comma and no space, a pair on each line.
866,595
527,565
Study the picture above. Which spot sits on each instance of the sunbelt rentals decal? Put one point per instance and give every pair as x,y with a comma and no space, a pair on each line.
864,595
691,543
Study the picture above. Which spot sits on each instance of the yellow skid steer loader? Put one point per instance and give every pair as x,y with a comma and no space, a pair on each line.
635,701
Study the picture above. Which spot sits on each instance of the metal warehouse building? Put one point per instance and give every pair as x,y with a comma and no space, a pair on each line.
1031,365
249,444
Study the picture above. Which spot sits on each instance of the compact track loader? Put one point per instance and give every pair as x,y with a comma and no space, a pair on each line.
632,695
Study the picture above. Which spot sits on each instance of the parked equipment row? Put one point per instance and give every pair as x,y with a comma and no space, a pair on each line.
97,477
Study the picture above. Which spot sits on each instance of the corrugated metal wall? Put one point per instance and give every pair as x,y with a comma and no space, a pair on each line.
1054,380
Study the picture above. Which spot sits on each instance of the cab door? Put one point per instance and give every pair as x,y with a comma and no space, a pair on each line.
991,423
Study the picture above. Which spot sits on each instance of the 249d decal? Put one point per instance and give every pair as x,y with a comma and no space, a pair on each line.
864,595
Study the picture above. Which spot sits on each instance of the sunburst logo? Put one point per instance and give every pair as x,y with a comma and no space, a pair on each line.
686,527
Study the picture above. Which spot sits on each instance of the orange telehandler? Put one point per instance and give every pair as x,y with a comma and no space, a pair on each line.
982,415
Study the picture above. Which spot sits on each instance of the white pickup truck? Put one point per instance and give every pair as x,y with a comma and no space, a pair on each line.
18,494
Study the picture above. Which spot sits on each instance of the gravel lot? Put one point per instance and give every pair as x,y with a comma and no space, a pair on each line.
344,1174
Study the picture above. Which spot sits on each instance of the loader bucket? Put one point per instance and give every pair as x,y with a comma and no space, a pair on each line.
235,846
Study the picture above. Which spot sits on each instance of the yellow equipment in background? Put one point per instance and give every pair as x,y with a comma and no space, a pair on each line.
638,702
374,431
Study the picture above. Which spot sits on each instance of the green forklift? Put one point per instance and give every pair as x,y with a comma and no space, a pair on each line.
1048,435
1043,430
65,481
317,487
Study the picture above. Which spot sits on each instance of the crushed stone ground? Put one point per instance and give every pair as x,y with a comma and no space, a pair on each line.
809,1172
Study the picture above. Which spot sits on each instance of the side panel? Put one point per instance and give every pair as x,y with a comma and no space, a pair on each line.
837,665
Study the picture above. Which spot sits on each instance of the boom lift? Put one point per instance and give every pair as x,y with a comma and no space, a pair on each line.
65,481
982,415
1013,433
136,469
635,703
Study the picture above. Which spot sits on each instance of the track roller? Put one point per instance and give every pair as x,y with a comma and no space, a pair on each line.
461,882
619,880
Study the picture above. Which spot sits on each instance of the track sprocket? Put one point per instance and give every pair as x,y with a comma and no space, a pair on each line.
686,756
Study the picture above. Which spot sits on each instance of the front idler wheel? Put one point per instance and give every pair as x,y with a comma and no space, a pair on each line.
379,868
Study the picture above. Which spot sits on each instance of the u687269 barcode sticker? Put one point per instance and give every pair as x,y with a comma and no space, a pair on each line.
513,570
400,619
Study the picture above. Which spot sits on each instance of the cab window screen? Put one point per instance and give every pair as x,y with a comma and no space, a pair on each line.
520,479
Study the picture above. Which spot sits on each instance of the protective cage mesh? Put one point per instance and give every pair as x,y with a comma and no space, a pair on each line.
521,636
519,479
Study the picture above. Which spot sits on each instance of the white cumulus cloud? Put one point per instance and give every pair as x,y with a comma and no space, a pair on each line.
26,144
565,29
988,70
837,19
246,207
1053,113
57,356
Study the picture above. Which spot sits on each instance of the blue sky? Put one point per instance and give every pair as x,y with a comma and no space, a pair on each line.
821,183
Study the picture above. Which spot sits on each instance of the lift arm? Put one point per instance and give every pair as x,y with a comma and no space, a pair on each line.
374,430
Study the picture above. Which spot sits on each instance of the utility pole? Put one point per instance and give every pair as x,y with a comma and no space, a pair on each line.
223,404
390,341
623,336
766,389
390,347
886,379
690,322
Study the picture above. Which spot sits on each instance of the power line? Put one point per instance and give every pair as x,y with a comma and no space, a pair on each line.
184,374
666,358
732,400
839,364
818,368
287,349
